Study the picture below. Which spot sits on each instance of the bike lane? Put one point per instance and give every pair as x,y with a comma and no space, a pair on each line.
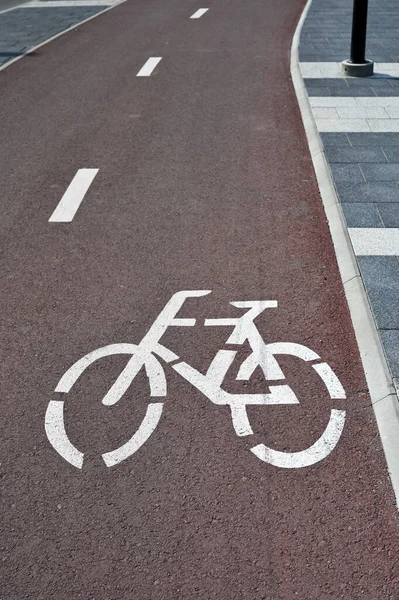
205,183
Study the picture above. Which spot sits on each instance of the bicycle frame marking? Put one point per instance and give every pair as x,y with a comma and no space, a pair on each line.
147,354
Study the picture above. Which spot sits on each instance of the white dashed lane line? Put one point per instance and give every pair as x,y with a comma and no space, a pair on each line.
149,66
199,13
71,200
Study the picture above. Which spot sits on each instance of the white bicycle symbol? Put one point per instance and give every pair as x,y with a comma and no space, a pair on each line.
147,354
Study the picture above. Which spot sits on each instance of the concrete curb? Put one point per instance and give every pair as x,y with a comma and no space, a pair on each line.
57,35
379,381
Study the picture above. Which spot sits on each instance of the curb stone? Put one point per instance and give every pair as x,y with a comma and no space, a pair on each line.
381,386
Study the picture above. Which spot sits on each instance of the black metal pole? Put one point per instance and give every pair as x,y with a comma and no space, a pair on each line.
359,30
357,65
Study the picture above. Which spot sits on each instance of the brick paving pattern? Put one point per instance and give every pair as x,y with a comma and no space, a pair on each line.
358,121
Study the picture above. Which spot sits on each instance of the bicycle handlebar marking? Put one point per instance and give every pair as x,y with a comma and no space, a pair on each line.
150,351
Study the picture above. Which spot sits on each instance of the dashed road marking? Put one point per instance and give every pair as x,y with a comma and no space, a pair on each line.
149,66
71,200
199,13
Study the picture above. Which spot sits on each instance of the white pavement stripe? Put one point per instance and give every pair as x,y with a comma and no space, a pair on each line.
71,200
356,114
149,66
360,104
372,102
369,241
384,125
343,125
199,13
368,112
68,3
332,102
326,70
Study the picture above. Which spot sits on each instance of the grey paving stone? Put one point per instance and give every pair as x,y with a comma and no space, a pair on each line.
374,139
384,87
389,213
394,92
346,173
374,192
381,278
336,85
334,139
387,172
334,57
390,343
365,90
392,153
358,154
332,20
315,83
383,56
25,28
309,57
319,91
362,215
377,83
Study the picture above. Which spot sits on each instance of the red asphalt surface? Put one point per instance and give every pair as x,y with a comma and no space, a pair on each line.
205,182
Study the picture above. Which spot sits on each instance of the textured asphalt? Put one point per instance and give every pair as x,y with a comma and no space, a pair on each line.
205,182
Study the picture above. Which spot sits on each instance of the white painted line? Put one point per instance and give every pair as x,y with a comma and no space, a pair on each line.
71,200
381,387
149,66
55,430
199,13
305,458
331,381
375,241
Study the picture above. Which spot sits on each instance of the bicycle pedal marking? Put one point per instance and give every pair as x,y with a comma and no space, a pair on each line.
149,353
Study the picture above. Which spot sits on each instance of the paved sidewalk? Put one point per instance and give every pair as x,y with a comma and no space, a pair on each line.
358,120
31,24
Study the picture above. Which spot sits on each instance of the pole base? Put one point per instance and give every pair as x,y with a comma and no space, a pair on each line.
357,70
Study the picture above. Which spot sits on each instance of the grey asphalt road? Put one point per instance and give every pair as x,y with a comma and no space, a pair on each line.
205,182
